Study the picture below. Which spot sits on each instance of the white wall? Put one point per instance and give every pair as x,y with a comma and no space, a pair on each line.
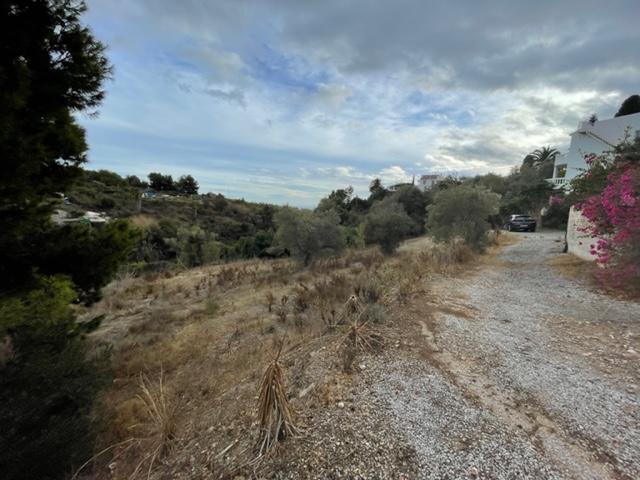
578,243
612,130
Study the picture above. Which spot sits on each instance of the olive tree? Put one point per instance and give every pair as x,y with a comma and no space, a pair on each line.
308,234
387,224
462,212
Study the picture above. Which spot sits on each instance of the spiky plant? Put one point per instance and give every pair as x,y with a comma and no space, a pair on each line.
276,417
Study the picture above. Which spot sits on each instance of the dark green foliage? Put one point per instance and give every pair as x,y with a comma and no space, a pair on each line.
376,191
448,182
48,386
307,234
527,189
556,216
462,212
103,191
541,160
339,202
89,254
51,67
105,178
490,181
629,106
187,185
414,203
135,182
387,224
160,182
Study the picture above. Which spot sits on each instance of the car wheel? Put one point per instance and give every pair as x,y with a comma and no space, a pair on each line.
532,229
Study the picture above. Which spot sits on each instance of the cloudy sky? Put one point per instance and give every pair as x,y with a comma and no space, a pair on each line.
283,101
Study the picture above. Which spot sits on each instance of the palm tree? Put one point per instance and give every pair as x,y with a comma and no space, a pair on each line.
542,159
541,155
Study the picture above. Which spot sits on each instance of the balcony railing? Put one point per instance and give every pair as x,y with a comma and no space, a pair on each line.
558,182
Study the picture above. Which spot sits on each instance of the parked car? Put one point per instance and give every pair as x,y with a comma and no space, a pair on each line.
520,223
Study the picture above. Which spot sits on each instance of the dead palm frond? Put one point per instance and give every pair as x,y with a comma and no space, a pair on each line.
360,337
276,417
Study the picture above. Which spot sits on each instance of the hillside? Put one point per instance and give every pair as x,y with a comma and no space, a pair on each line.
207,335
236,228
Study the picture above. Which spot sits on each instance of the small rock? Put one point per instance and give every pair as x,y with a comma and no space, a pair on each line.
340,404
473,472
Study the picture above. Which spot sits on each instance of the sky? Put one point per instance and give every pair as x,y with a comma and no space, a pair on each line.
284,101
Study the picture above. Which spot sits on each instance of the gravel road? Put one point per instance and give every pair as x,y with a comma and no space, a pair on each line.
519,373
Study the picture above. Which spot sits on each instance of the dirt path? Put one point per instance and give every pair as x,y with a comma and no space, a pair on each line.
510,371
521,373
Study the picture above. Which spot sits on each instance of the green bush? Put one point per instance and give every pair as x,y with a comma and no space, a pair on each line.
387,224
463,212
556,216
89,254
307,234
48,387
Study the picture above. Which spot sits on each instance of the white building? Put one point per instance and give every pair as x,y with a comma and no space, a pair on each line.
592,138
427,182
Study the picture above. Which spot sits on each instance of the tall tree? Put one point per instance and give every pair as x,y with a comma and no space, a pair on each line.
629,106
187,185
376,191
51,68
161,183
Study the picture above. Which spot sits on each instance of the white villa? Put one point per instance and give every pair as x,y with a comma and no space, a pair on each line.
427,182
592,138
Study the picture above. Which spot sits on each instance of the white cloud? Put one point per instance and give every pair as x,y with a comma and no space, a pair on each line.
321,99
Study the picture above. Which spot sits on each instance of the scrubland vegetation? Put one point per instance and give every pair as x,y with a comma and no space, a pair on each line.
129,348
211,332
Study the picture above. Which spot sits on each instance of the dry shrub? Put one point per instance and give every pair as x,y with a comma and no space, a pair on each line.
373,313
275,415
226,277
157,430
154,433
367,288
302,298
493,237
270,299
368,258
212,306
445,257
159,317
359,338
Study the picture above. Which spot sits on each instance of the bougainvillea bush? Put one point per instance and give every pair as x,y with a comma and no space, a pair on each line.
608,195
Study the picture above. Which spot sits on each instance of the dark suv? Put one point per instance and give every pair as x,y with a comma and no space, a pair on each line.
520,223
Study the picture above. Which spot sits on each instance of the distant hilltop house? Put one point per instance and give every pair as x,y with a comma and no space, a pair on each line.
427,182
61,217
592,137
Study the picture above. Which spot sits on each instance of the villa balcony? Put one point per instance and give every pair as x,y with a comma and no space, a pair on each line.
558,182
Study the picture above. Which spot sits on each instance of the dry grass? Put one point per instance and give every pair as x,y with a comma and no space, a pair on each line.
210,355
157,430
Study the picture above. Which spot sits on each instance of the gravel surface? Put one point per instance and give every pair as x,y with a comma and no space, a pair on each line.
511,371
523,374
